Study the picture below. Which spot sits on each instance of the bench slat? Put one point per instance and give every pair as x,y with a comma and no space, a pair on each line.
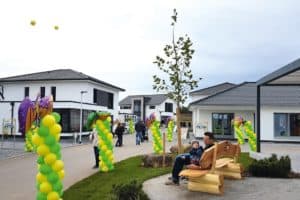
193,173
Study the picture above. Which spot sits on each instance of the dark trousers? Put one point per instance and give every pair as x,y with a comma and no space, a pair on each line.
119,141
96,152
180,161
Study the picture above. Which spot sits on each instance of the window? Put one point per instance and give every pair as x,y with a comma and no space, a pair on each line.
137,107
26,92
42,90
286,124
152,107
168,107
103,98
128,107
53,93
221,123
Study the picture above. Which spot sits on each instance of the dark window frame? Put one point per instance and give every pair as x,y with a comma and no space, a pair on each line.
53,92
26,91
169,107
42,91
228,125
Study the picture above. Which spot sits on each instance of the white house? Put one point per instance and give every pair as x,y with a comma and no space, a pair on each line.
143,106
69,89
279,111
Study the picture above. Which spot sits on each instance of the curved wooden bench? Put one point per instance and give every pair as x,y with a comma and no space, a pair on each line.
217,162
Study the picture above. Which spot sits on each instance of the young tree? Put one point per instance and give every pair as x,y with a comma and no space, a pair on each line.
175,63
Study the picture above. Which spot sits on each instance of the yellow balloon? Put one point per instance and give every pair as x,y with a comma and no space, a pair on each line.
109,153
108,119
53,196
111,158
104,169
55,129
37,140
41,178
110,136
57,138
45,187
104,148
50,158
61,174
42,150
101,142
58,165
48,121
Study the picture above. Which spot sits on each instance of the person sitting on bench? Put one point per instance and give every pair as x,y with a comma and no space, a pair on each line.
191,159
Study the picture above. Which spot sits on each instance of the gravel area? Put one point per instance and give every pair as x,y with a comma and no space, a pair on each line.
248,188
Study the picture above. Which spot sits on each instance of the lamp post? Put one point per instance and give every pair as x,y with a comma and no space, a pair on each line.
80,123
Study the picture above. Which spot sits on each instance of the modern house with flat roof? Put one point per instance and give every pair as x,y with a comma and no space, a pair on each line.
142,106
279,111
70,90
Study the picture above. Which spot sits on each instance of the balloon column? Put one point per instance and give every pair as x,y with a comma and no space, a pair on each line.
29,146
156,134
131,126
241,127
102,122
51,167
251,135
170,130
237,122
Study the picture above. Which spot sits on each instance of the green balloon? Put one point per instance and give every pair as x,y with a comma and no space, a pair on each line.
40,160
38,186
56,116
58,156
57,186
41,196
43,131
45,169
55,148
50,140
53,177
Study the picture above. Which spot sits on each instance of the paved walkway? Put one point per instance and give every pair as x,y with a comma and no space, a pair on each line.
17,175
247,189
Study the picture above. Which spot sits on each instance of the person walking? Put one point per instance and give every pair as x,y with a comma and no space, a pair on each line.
119,132
94,138
139,130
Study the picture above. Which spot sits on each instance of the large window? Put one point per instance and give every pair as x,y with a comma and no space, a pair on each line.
286,124
26,92
168,107
103,98
221,124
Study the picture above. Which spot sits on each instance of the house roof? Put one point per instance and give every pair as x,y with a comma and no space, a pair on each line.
54,75
213,89
152,100
244,94
287,75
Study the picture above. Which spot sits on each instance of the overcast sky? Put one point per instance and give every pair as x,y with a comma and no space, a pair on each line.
116,41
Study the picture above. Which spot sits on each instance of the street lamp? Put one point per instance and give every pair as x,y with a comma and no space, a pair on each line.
80,123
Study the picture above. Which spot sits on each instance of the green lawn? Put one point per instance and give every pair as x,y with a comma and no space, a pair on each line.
99,185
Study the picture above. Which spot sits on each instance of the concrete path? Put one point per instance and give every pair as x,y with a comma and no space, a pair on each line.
17,175
247,189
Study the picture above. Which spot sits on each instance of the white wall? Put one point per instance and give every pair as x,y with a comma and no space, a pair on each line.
203,115
267,122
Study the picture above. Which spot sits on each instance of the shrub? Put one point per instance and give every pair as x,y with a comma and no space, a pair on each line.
130,191
271,167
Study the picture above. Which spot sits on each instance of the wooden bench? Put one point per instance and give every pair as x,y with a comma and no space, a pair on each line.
217,162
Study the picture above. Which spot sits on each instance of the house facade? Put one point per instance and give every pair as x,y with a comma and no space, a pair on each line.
280,111
70,89
142,106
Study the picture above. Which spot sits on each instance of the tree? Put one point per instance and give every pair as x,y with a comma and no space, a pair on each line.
175,63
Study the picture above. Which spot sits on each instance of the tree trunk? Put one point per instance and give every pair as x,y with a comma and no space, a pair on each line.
178,129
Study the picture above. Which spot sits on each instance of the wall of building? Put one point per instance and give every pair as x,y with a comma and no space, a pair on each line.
202,116
267,122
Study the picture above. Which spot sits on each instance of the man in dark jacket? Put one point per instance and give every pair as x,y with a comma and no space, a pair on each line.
191,159
119,132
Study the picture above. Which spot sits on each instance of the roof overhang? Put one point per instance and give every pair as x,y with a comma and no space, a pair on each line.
288,75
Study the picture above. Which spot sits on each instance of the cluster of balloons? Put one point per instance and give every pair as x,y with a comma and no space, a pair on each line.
106,156
251,135
157,139
170,130
241,127
131,126
50,166
29,146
